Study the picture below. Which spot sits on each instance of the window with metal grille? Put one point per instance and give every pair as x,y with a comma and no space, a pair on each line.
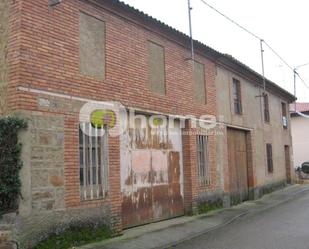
93,155
202,160
237,97
269,152
266,108
284,115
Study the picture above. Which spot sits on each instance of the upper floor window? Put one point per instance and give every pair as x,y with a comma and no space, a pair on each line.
92,46
284,115
93,156
202,160
237,96
156,70
269,154
266,108
199,85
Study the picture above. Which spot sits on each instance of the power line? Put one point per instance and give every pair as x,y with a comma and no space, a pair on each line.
279,56
302,65
231,20
257,37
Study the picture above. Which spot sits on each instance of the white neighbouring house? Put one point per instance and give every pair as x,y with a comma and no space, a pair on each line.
300,133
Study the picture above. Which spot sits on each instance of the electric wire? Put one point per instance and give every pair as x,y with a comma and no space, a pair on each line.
231,20
260,39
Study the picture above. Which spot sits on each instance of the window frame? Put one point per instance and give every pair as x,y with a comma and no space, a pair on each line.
237,98
266,108
269,157
284,111
150,83
83,71
202,150
93,171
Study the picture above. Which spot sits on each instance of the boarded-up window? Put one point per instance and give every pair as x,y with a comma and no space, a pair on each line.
156,70
237,97
93,156
284,115
202,160
92,46
199,83
266,108
269,152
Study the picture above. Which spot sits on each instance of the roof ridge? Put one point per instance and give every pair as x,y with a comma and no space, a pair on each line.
228,57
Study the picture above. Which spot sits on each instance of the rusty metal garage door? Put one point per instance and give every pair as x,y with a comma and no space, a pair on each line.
238,165
151,174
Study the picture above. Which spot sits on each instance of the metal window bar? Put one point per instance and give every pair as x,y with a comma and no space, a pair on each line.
93,163
84,163
105,161
203,164
90,161
97,162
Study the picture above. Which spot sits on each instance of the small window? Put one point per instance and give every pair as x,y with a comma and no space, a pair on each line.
156,70
269,152
284,115
266,108
202,159
237,97
199,83
93,157
92,46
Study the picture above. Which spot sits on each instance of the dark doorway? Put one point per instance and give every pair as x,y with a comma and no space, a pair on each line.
287,163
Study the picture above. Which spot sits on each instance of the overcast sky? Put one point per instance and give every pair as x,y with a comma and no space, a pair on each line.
282,24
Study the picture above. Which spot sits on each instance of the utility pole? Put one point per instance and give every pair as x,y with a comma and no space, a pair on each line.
295,74
191,33
263,69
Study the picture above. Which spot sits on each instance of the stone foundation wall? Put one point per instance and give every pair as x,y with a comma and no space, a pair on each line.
43,210
266,189
32,229
42,174
226,200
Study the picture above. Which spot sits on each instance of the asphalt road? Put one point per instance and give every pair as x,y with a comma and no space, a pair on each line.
282,227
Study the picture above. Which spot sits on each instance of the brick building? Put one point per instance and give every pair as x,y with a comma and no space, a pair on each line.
55,59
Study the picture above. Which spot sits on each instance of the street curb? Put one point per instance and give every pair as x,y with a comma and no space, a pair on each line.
290,196
169,245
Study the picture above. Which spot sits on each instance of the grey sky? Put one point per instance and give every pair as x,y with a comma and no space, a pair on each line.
283,24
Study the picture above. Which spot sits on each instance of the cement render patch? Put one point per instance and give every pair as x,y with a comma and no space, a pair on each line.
172,232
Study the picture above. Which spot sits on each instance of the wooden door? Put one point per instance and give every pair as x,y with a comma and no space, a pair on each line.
238,165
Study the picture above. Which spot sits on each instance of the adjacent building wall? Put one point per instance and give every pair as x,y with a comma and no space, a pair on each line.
252,121
300,135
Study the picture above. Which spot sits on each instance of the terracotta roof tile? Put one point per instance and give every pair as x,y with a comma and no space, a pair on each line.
300,107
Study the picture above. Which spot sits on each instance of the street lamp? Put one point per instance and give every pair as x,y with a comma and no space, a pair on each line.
295,74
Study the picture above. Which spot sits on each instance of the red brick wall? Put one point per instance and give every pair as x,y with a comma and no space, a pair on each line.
48,59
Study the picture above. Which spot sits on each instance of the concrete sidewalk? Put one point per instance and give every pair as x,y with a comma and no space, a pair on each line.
165,234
